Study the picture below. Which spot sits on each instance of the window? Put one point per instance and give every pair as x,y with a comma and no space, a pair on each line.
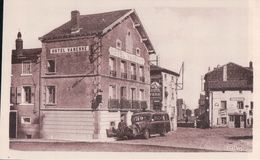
224,120
137,51
165,76
26,68
240,104
129,42
123,69
51,66
26,120
26,94
141,95
223,104
118,44
132,93
112,92
141,73
240,92
251,105
51,95
172,78
133,72
231,118
172,93
112,66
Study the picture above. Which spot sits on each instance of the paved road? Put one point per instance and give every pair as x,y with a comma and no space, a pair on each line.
183,140
96,147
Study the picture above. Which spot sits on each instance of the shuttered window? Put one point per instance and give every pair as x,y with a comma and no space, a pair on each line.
25,95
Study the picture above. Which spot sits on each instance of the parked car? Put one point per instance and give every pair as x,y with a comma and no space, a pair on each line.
147,123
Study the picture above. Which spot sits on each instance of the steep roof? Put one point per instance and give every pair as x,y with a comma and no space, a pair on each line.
98,24
26,54
154,69
238,78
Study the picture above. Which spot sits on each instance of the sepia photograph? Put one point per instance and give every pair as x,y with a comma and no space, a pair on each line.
142,77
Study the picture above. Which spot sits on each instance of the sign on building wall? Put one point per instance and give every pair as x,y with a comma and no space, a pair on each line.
126,56
69,49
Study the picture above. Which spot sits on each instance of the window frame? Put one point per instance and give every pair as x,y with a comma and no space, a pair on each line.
30,64
24,122
139,51
240,106
48,72
113,90
118,41
55,96
23,95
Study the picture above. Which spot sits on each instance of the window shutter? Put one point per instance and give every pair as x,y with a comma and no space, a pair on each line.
12,98
33,94
19,94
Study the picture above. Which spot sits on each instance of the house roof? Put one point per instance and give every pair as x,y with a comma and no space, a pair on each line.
98,24
157,69
238,78
26,54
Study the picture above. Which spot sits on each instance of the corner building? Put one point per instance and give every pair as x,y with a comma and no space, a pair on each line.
94,71
229,96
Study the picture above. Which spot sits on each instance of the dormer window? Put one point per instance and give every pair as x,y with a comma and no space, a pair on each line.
118,44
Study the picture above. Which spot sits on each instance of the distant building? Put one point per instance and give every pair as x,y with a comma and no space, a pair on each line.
164,92
24,96
180,109
229,94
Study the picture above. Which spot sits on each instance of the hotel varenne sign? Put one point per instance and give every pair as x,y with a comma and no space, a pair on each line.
126,56
69,49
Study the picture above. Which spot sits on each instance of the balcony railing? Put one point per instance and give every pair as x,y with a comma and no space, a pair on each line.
124,75
133,77
113,73
124,104
142,79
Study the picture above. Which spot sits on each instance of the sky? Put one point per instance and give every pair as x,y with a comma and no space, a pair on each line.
200,33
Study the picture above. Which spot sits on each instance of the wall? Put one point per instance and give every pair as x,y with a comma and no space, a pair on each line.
26,110
218,96
170,102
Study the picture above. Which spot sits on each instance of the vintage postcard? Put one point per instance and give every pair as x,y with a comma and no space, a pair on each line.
86,77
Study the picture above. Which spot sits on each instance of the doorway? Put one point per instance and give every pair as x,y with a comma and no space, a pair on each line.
237,121
13,124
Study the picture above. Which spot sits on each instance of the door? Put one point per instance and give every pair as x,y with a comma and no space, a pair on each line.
12,125
237,121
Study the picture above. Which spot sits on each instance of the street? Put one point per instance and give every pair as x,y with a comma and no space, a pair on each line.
183,140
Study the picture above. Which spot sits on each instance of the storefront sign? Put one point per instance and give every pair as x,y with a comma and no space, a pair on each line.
237,99
124,55
156,90
69,49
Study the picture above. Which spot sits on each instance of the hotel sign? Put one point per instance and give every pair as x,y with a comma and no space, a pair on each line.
69,49
124,55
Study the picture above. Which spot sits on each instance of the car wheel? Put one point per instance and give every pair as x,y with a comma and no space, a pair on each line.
163,133
146,134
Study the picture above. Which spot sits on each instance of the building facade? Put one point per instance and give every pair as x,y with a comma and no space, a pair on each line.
94,71
24,91
164,92
229,96
90,73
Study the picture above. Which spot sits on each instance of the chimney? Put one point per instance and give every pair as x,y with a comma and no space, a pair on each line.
75,20
19,44
251,65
